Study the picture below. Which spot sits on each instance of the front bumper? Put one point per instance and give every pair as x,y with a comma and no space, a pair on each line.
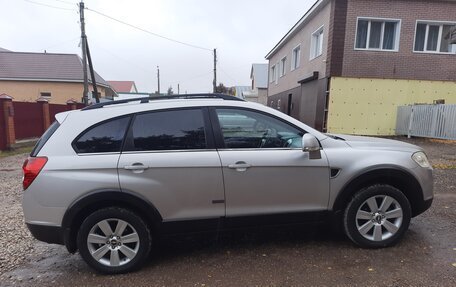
425,205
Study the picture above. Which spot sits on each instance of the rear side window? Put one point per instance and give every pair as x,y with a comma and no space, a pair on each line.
44,138
105,137
168,130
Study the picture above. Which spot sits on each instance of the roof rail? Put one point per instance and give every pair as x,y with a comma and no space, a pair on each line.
154,98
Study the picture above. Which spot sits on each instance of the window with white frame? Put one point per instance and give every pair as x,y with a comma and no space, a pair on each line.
316,44
283,64
295,57
272,74
435,37
377,34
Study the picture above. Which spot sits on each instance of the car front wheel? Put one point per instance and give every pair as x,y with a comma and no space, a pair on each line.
377,216
114,240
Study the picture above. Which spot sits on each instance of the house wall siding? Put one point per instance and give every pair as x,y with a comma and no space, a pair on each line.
307,66
404,64
369,106
28,91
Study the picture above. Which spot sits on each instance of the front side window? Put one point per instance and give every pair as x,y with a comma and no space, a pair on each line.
316,45
296,57
105,137
377,34
243,129
435,38
168,130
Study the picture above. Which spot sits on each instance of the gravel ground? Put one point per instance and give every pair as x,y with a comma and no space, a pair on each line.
285,257
12,227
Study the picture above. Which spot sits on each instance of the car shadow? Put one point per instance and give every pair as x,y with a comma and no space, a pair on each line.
173,247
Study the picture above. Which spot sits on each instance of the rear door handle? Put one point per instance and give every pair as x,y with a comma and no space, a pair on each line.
136,167
240,166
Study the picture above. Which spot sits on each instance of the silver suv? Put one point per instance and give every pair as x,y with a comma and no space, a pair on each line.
108,179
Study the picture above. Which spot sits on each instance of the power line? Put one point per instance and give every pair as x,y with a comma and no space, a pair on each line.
60,43
66,2
226,74
49,6
195,77
148,32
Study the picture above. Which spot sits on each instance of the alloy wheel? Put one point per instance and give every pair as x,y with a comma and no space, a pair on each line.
113,242
379,218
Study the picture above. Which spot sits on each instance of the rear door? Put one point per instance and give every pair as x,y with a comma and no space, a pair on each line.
169,158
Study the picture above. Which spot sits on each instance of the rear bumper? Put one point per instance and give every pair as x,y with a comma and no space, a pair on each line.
45,233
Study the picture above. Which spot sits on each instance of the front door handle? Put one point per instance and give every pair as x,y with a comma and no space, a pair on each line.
137,167
240,166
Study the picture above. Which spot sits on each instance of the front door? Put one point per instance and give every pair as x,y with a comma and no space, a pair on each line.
265,170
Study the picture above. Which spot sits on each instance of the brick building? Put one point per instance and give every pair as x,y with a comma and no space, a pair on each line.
346,65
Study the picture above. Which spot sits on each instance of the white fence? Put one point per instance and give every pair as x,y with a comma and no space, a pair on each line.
433,121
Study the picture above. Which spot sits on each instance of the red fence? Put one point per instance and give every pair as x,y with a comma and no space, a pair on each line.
28,120
3,141
23,120
55,109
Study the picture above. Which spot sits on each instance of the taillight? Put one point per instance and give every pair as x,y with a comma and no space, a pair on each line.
31,168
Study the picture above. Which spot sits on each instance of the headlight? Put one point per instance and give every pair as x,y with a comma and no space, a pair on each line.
421,159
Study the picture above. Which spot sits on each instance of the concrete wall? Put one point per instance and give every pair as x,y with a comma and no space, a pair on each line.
369,106
263,96
404,64
307,66
29,91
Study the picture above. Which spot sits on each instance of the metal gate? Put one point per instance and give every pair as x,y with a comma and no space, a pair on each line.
433,121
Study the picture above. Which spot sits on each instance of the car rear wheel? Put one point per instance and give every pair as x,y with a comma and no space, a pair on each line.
114,240
377,216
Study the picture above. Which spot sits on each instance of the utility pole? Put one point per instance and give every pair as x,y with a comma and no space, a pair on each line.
178,89
85,98
215,71
92,75
158,79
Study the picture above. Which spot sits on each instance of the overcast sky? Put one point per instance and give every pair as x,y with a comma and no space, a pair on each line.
243,31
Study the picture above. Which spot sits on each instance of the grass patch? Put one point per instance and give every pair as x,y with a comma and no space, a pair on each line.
444,166
21,150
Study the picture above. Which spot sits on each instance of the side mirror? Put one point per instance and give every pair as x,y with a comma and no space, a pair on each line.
311,145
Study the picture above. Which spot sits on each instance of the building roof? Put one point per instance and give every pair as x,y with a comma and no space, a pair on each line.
259,72
123,86
296,27
21,66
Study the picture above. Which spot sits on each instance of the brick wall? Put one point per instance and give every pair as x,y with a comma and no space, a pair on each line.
404,64
7,136
336,37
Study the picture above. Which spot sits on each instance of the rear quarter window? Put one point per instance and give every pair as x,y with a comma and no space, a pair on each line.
107,136
44,138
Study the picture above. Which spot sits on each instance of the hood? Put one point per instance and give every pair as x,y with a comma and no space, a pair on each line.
363,142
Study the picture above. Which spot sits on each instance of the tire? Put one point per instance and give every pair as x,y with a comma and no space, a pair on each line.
120,240
377,216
